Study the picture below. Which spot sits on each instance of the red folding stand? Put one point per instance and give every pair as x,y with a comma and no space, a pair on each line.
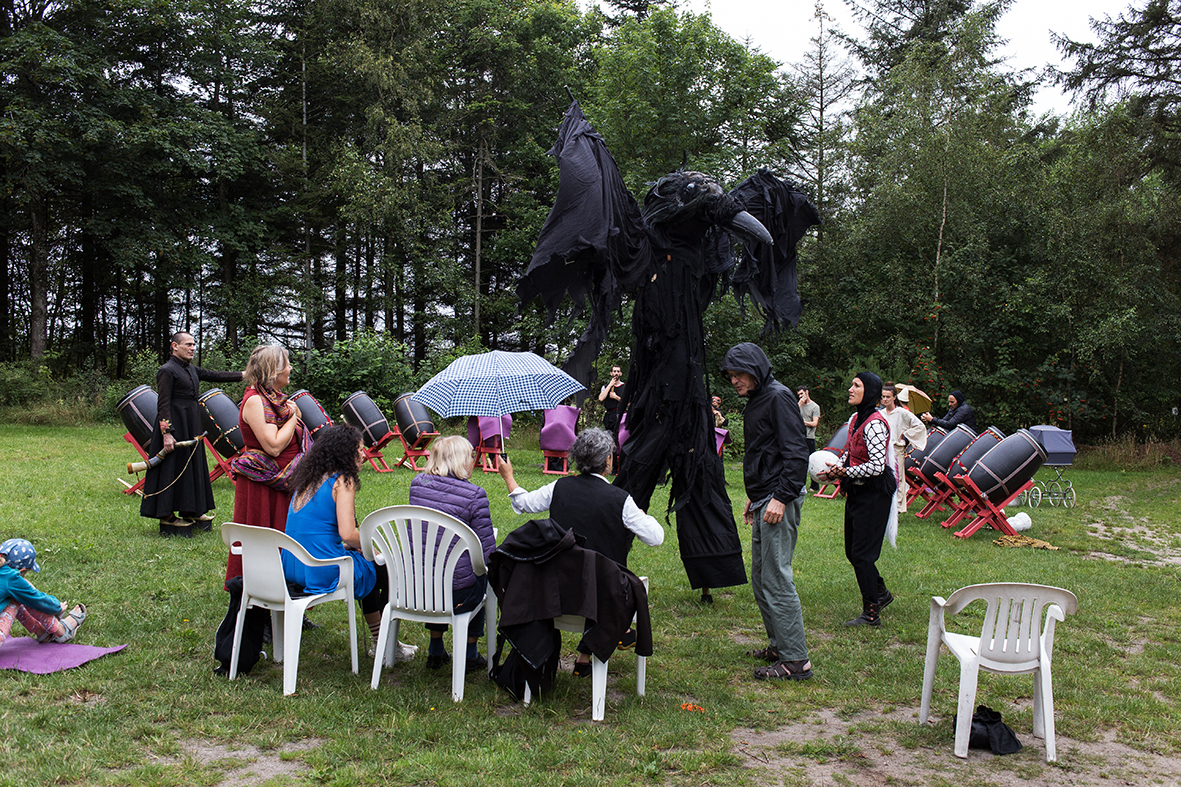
917,486
489,457
944,490
928,491
986,512
223,465
137,487
563,455
836,490
373,454
418,449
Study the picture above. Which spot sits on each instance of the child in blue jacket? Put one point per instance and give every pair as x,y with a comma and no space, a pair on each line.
41,614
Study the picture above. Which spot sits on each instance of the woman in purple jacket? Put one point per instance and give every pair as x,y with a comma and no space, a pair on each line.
444,486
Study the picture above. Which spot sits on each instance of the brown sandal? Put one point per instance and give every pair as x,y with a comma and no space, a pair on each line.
785,670
765,654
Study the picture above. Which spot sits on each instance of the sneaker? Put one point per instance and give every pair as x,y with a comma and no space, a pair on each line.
437,660
478,664
627,641
582,669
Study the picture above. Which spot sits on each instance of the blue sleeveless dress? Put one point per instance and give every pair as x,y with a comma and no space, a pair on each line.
314,527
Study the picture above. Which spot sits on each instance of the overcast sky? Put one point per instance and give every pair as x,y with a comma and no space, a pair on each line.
782,29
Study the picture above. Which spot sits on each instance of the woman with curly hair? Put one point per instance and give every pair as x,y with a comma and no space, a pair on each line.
444,486
275,440
323,518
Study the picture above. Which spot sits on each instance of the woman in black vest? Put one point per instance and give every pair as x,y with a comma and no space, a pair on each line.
603,514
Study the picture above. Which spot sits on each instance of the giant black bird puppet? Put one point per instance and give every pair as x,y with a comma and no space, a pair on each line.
598,244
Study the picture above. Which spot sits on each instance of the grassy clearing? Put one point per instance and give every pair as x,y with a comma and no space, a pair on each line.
131,718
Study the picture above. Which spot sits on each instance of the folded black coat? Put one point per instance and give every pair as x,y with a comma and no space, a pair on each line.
540,572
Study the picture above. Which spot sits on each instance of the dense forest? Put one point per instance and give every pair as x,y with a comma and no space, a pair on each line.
335,174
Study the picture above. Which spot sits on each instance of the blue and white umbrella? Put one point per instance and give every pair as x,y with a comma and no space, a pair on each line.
495,383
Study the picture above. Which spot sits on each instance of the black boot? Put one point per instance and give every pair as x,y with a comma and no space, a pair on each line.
884,595
870,616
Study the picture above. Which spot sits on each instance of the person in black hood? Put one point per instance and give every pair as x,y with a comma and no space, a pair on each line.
867,480
958,412
774,470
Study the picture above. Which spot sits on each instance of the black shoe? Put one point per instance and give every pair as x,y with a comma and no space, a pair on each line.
175,527
477,664
869,617
308,625
582,669
437,660
627,641
707,598
885,601
203,523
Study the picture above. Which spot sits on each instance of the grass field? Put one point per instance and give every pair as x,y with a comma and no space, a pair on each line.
143,716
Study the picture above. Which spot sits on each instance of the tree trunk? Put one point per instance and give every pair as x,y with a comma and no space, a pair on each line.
38,273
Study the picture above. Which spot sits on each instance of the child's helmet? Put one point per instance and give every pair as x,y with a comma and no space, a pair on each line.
20,554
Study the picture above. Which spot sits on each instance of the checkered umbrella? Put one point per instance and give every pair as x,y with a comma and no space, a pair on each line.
495,383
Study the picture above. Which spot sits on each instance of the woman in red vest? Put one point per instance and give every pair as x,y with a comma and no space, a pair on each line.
867,481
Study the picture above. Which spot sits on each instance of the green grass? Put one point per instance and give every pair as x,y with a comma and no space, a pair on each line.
131,718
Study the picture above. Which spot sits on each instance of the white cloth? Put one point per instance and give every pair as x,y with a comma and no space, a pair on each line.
646,527
905,429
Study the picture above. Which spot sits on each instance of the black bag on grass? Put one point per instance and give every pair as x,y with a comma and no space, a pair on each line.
515,673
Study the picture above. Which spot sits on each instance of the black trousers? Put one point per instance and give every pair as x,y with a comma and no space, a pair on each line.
867,511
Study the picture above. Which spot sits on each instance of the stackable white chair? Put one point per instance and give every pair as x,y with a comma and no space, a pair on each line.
263,586
577,625
1010,643
403,538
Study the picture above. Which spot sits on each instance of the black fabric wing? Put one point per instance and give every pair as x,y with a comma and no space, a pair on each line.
768,273
593,243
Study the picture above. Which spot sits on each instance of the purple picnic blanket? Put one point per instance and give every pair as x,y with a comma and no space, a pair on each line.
24,654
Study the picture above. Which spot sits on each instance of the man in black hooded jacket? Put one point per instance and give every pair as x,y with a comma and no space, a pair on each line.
774,470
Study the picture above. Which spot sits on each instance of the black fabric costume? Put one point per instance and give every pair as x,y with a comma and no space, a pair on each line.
177,388
962,414
594,510
596,243
541,571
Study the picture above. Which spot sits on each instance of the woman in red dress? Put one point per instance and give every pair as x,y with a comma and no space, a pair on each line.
275,440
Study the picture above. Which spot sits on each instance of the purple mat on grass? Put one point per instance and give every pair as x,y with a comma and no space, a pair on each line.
24,654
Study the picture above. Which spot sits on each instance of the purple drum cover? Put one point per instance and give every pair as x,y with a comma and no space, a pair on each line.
939,459
412,418
138,411
1007,466
963,463
311,412
362,412
219,420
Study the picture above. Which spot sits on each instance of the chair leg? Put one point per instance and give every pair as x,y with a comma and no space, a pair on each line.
598,689
459,629
1044,689
381,653
352,634
292,633
641,675
277,635
933,640
237,648
969,672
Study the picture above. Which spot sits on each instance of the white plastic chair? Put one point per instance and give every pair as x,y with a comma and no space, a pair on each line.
1009,643
263,586
403,539
577,625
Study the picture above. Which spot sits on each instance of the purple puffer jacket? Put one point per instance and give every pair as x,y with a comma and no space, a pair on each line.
466,502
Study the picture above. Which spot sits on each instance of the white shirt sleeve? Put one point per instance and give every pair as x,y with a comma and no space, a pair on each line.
646,527
526,502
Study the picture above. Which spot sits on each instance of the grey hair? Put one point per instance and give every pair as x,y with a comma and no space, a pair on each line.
592,449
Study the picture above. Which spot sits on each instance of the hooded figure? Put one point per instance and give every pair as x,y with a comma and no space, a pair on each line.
958,412
774,469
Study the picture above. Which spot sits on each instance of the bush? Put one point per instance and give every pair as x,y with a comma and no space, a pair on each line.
368,362
23,383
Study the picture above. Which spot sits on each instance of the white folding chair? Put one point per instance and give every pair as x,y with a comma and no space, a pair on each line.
263,586
1009,643
577,625
403,538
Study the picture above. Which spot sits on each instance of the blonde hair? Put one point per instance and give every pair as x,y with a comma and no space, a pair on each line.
450,456
266,361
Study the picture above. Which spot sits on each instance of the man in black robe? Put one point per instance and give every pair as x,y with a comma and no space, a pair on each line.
177,491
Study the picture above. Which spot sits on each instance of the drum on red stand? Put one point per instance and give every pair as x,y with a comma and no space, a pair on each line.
361,411
963,463
1006,468
138,411
939,459
311,412
412,417
219,421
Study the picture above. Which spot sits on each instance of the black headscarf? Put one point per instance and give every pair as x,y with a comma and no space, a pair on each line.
869,402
